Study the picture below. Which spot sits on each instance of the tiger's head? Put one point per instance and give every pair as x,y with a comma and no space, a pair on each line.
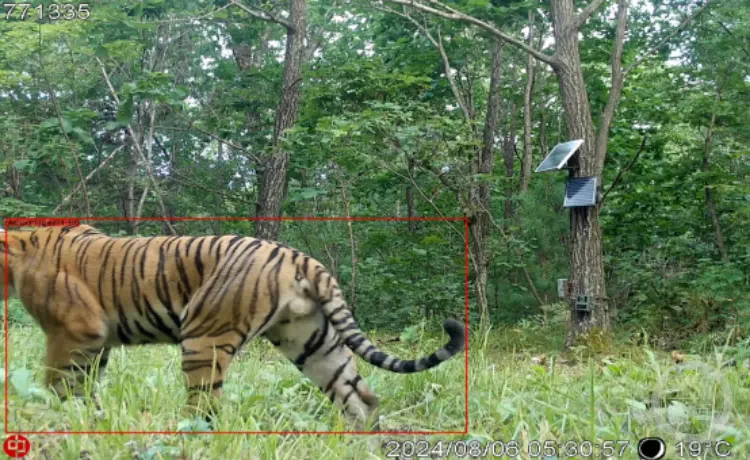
12,247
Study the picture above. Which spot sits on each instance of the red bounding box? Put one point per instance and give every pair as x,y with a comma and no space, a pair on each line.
42,222
76,221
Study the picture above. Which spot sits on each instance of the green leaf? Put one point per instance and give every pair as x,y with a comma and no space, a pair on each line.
22,381
23,165
126,111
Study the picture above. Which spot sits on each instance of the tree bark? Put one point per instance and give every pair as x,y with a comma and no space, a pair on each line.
274,169
527,150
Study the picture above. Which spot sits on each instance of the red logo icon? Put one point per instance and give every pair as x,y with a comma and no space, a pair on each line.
16,446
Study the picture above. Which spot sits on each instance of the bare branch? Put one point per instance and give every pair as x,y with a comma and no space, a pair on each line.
260,14
450,13
602,135
729,32
353,245
137,148
72,146
460,100
86,179
185,180
620,172
682,26
192,126
584,15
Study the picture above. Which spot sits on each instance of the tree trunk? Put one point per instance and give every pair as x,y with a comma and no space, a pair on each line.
410,199
273,183
543,146
706,167
527,157
15,182
479,193
129,207
217,196
586,267
509,151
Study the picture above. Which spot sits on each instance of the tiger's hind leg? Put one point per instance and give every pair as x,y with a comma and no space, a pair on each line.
316,349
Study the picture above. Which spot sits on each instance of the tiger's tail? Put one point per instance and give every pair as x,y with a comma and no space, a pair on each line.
342,320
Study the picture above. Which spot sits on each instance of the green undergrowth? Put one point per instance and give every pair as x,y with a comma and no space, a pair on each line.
521,387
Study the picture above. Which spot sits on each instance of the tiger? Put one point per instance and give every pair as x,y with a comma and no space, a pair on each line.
90,292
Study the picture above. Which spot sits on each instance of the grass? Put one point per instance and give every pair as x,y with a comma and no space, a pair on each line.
514,395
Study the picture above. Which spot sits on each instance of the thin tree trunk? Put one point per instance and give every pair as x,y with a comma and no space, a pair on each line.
706,167
412,225
217,197
273,184
543,132
527,150
129,206
480,193
509,150
353,247
15,181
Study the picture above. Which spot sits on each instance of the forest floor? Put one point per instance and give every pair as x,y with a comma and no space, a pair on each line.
520,388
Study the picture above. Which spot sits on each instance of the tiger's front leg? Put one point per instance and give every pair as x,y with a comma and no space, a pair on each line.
71,367
76,336
205,362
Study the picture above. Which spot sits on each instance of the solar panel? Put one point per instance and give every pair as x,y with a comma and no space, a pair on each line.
580,191
559,156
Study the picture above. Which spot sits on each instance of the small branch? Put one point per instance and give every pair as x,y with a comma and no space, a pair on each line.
137,148
141,202
620,172
615,91
192,126
682,26
453,14
438,44
260,14
86,179
183,179
72,146
584,15
532,286
729,32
